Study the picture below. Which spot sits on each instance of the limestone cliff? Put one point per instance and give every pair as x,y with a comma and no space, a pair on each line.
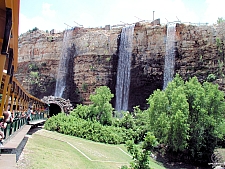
92,51
94,55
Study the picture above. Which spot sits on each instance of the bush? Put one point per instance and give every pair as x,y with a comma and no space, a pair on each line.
141,154
127,121
137,122
221,140
81,111
91,130
211,78
95,122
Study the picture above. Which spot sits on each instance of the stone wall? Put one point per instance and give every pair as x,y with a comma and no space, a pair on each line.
199,52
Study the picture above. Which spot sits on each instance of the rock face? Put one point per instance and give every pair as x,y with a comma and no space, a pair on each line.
147,62
94,56
92,61
201,52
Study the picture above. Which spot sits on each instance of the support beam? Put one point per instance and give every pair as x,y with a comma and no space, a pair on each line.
4,94
17,106
8,27
15,31
9,77
2,65
8,96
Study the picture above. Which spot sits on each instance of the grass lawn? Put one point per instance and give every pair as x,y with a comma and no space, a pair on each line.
54,150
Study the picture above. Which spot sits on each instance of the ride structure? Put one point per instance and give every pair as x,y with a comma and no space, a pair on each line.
11,92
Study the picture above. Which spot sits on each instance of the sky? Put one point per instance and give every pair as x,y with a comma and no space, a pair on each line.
58,14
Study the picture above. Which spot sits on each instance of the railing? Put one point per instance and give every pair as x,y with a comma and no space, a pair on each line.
19,121
13,126
40,116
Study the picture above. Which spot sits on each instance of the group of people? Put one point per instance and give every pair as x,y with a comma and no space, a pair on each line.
9,117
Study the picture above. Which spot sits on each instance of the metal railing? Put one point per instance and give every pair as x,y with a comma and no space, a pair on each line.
19,121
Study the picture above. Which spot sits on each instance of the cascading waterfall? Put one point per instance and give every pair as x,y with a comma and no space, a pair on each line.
63,65
123,69
170,54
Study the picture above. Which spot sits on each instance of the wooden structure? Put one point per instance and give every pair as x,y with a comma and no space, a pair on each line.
10,89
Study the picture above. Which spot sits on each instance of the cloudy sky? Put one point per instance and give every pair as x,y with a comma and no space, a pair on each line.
55,14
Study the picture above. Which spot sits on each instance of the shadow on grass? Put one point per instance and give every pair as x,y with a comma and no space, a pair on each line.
178,165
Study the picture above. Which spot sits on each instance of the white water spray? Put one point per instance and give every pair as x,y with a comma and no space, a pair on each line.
170,55
63,65
123,69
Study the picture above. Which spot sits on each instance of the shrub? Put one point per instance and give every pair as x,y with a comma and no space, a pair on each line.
91,130
141,154
211,78
84,87
220,20
127,121
136,121
81,111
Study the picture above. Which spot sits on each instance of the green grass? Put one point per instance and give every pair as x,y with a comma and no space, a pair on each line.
53,150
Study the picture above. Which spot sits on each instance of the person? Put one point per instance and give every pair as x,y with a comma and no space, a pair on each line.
29,112
2,133
22,113
8,116
39,111
3,125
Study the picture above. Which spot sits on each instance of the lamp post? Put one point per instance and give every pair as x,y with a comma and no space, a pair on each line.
153,16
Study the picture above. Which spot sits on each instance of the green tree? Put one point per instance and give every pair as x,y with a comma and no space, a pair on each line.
187,117
178,126
102,109
158,114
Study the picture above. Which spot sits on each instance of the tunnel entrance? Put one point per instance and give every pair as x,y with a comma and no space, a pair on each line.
57,104
54,109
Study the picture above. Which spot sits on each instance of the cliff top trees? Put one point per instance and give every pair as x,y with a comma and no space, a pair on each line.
220,20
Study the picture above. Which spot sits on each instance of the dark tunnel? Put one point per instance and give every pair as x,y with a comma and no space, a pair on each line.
54,109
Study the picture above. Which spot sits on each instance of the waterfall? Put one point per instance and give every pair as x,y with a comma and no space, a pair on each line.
63,65
123,69
170,55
